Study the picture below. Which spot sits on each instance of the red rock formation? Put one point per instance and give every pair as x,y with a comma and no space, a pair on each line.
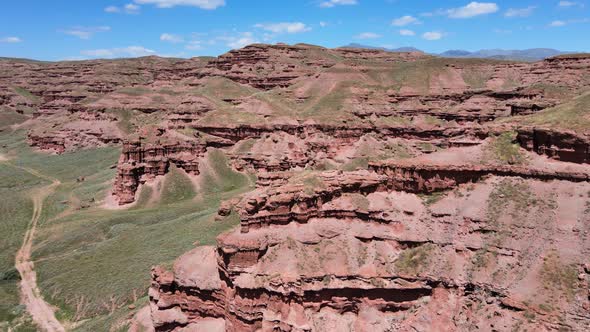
265,66
188,112
340,251
140,162
240,132
561,145
421,178
50,143
333,251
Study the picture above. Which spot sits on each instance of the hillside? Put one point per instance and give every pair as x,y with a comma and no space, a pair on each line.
296,188
532,54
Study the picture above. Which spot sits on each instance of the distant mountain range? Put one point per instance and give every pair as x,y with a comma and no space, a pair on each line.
401,49
532,54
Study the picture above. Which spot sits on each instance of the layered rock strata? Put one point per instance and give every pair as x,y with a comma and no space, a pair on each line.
141,162
561,145
344,251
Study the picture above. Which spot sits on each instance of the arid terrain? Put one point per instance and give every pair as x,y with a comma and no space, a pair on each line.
295,188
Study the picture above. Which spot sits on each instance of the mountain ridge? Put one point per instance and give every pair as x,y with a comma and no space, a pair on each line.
531,54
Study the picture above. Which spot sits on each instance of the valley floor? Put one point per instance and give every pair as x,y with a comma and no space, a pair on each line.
90,263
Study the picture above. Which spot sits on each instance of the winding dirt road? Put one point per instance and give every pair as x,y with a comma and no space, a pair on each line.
41,312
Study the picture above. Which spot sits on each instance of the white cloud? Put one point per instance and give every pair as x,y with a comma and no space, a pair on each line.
560,23
243,39
406,32
557,23
241,42
170,38
127,9
431,14
284,27
130,51
570,4
332,3
11,40
75,58
432,35
203,4
405,20
194,45
520,12
131,8
367,35
473,9
112,9
85,32
323,24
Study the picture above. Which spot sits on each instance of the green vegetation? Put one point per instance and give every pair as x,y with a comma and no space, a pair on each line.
220,89
573,115
245,146
546,307
9,301
552,91
512,197
8,118
124,123
482,258
573,56
311,183
144,196
432,198
530,316
360,202
414,260
135,91
25,93
92,262
177,186
329,107
219,177
503,149
356,163
374,150
419,74
558,277
15,210
477,78
433,121
426,147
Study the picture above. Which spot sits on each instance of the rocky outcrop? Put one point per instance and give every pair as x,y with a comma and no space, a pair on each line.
240,132
450,239
140,162
343,251
262,66
286,203
423,178
561,145
464,106
50,143
189,111
371,54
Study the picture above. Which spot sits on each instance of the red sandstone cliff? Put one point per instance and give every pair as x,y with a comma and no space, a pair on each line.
342,251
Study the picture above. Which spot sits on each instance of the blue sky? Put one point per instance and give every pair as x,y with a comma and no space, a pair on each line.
86,29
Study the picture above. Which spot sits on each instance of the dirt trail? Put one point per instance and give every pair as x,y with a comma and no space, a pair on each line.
41,312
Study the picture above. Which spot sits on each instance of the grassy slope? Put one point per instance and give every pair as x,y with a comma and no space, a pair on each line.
329,105
15,209
88,258
573,115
